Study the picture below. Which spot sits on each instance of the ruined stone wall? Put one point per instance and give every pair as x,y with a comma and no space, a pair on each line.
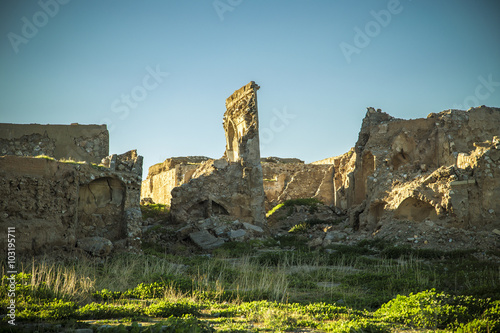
77,142
232,185
343,167
39,199
285,181
164,177
405,169
61,191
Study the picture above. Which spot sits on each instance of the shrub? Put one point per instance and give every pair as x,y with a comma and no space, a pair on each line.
430,309
167,309
186,324
360,325
109,311
53,310
106,295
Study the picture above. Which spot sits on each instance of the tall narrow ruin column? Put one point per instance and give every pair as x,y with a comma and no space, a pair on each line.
241,124
233,183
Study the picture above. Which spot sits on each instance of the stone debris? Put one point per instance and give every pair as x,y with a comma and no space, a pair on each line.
96,246
205,240
214,231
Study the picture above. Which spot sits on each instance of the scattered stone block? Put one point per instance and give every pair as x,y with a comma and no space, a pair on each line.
205,240
236,234
252,227
96,246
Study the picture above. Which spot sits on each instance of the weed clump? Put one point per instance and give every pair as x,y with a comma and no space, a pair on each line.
156,211
436,310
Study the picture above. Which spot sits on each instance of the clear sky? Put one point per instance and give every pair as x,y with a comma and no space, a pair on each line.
158,72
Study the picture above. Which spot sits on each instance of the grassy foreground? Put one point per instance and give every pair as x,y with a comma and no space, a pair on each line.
264,286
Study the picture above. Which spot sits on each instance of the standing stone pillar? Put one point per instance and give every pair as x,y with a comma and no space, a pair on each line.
241,124
234,183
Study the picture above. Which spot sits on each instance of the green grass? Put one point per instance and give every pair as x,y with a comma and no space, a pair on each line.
157,211
373,286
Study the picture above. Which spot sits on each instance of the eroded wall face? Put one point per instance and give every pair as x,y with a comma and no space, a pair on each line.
163,178
40,200
232,185
58,205
77,142
285,181
101,209
241,125
426,169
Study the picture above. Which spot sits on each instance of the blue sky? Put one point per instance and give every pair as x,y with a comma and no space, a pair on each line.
158,72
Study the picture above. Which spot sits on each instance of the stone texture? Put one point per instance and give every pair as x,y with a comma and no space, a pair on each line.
54,204
235,235
286,179
234,188
96,246
205,240
343,166
283,179
76,142
165,176
444,167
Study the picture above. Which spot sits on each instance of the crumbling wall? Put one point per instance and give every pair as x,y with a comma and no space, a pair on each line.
286,179
76,142
426,169
232,185
64,204
283,179
343,173
164,177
